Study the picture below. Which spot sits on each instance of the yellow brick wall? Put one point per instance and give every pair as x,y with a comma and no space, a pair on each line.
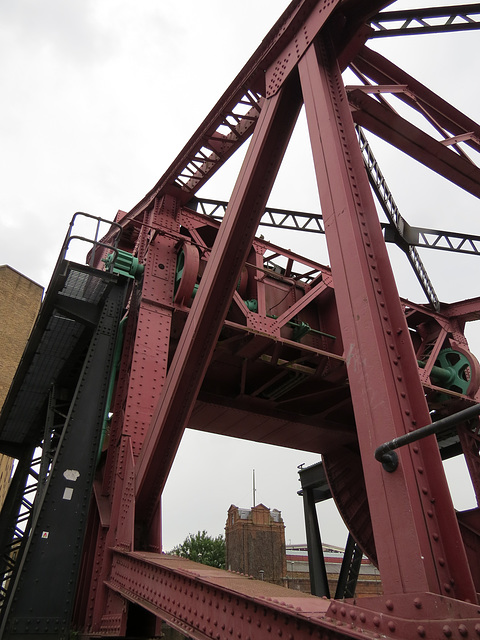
20,300
367,585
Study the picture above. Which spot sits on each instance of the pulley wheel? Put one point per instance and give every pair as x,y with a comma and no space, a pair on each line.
186,272
457,370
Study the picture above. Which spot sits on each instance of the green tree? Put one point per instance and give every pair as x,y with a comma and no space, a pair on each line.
203,548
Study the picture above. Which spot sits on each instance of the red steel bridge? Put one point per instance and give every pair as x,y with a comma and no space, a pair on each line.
182,317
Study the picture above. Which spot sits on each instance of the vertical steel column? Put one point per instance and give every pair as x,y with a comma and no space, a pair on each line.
148,365
42,598
417,537
142,375
316,561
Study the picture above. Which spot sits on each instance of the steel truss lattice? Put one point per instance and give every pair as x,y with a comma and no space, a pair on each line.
201,324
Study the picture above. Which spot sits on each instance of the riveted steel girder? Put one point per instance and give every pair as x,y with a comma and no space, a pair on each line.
206,603
373,327
210,604
464,17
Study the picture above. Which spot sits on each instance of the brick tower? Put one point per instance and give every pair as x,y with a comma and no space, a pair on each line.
20,300
255,543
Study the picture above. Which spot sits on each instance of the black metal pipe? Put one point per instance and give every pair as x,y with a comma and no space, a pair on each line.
385,452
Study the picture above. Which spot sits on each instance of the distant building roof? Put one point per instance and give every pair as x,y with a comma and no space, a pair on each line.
246,514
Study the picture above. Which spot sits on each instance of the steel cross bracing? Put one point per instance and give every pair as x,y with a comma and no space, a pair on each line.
404,233
430,20
387,202
233,118
32,476
227,333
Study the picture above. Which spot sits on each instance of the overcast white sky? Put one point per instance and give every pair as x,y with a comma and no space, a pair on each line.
98,98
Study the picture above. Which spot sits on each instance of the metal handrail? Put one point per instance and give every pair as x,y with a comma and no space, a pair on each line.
94,242
385,453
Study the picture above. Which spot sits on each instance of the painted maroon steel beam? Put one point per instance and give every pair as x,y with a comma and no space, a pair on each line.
207,603
387,124
358,13
419,97
300,304
417,538
142,372
210,604
215,293
295,46
464,310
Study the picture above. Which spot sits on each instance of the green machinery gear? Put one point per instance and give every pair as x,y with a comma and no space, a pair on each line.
452,371
124,264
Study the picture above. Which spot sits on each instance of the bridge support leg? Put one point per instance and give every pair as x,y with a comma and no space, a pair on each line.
51,560
417,537
316,561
